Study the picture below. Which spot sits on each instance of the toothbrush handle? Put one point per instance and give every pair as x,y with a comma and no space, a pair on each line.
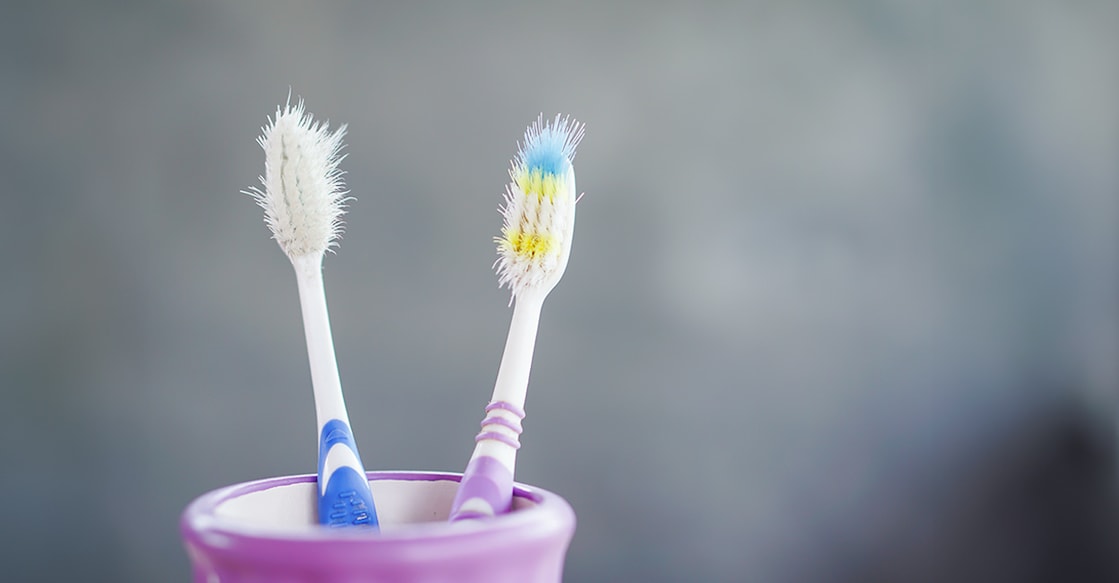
486,488
486,480
344,495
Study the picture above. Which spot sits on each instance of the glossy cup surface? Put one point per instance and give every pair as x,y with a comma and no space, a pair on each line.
266,531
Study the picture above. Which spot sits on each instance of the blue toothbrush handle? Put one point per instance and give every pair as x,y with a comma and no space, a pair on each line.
345,500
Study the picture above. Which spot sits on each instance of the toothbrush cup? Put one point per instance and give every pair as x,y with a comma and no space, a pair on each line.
266,531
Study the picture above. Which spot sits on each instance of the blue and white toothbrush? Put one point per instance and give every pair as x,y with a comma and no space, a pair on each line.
303,198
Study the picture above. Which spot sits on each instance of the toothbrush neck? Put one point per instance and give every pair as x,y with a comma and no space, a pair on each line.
325,382
516,362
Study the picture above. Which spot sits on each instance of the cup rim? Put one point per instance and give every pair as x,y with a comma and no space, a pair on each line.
201,526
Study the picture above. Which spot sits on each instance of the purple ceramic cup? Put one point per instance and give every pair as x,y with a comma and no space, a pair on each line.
265,531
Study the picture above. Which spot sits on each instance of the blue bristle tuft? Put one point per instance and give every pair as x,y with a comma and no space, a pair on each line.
550,146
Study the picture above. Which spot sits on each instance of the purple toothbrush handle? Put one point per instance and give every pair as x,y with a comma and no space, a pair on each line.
487,479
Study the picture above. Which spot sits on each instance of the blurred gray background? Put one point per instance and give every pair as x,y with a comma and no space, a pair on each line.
841,305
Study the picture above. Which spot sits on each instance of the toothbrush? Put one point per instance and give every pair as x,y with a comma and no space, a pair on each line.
535,243
303,198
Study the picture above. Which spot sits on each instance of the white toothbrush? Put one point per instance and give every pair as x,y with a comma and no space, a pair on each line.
533,249
303,198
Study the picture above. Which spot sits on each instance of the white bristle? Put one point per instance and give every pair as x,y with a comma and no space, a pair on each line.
302,192
550,219
539,208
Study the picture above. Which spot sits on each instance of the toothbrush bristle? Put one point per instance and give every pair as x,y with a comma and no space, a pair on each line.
539,208
301,192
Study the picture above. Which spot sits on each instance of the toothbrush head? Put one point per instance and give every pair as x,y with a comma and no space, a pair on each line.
539,209
301,192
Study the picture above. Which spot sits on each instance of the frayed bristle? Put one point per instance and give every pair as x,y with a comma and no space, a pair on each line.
539,208
301,192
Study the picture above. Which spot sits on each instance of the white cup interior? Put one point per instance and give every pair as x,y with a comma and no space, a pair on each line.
292,507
